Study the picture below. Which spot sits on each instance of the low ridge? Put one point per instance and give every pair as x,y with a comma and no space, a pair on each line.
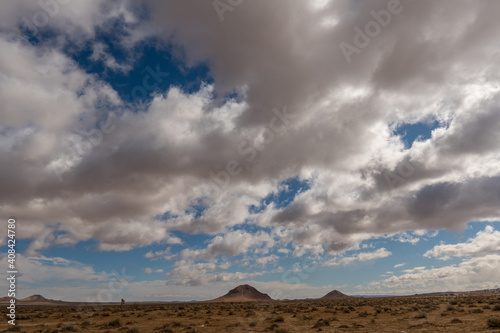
243,293
34,298
335,294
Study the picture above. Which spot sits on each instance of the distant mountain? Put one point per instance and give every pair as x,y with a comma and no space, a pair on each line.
243,293
34,300
335,294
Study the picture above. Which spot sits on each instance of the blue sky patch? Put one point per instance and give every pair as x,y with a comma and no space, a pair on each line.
420,131
287,191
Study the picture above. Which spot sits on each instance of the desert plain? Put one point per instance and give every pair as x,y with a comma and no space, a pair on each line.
234,313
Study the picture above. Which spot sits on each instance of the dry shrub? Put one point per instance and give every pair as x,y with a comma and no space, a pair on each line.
493,322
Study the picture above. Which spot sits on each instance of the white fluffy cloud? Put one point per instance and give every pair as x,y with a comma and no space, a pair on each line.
233,244
53,272
266,260
471,274
188,273
163,156
485,242
362,256
165,254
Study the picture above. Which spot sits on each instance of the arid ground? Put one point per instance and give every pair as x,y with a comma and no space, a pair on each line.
396,314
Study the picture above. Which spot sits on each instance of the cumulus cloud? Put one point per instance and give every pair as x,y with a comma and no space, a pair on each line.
165,254
187,273
231,244
362,256
407,238
100,53
80,163
485,242
266,260
71,19
474,273
50,271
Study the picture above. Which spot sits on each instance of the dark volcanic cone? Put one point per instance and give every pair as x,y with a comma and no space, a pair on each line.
243,293
336,295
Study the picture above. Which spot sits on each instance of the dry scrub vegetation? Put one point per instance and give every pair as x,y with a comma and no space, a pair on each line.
408,314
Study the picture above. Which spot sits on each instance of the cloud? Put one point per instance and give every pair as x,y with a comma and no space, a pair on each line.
165,254
406,238
485,242
362,256
231,244
414,270
266,260
39,270
187,273
399,265
100,53
73,180
474,273
78,21
149,270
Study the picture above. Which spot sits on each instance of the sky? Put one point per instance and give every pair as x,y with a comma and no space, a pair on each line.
171,150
